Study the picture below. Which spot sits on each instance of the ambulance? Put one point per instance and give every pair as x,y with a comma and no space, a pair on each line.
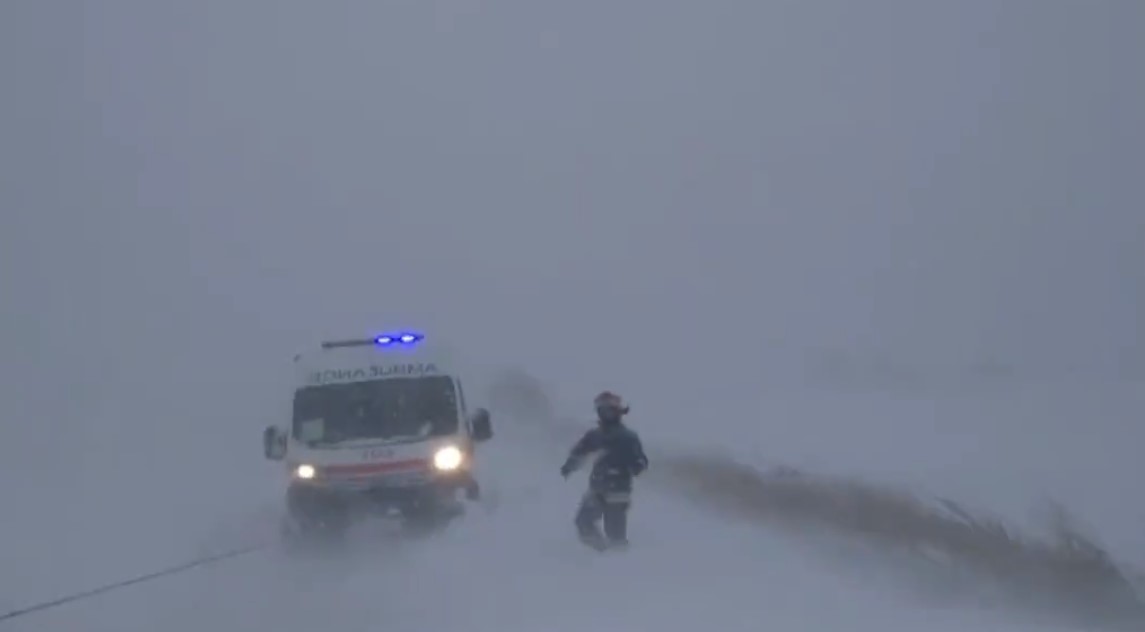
378,426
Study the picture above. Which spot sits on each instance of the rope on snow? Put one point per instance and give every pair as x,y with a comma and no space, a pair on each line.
173,570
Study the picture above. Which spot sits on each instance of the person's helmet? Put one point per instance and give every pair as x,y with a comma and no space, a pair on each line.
610,406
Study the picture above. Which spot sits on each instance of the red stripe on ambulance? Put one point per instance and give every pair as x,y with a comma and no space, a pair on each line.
368,469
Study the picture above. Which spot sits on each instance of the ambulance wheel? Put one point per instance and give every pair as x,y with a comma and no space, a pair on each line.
472,490
429,516
312,515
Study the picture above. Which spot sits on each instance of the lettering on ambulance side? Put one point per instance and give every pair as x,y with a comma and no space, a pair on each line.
330,376
377,453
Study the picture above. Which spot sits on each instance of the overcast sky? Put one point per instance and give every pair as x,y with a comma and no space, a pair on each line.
196,188
664,197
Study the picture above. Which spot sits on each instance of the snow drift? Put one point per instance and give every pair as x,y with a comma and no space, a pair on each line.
1066,575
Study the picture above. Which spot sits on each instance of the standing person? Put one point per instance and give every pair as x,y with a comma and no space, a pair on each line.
620,458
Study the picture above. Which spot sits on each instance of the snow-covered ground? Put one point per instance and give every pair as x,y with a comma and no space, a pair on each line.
513,563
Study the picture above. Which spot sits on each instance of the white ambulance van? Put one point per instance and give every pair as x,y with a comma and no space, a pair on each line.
378,426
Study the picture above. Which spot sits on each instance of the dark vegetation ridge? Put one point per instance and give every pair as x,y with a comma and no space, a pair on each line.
1067,574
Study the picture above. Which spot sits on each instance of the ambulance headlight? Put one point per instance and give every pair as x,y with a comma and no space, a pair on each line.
304,471
447,459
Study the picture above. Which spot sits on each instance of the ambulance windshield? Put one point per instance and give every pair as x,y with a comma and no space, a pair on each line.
392,408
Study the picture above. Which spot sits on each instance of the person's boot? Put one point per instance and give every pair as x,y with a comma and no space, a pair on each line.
618,544
593,539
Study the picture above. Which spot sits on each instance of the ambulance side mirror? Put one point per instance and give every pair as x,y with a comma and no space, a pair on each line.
273,444
481,424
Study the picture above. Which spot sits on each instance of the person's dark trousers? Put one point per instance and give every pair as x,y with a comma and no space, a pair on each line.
612,508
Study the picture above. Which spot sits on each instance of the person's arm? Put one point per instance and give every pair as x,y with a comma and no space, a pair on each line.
588,443
639,459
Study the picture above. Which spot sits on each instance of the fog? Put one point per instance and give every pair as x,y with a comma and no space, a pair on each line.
863,215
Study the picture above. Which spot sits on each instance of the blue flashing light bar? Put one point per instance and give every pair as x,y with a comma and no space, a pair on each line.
405,338
402,339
